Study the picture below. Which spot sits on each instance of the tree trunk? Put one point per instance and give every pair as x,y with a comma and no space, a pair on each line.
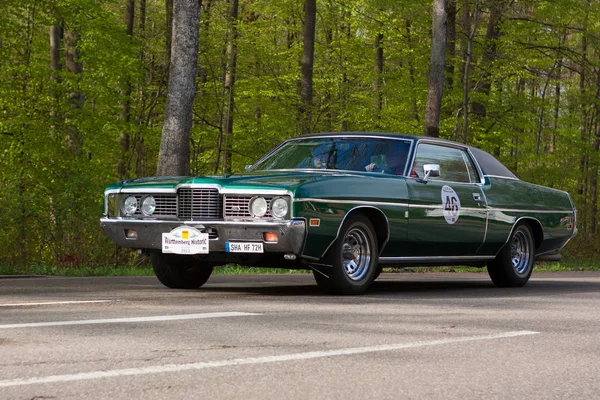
584,161
142,21
73,65
202,70
557,98
378,97
412,72
125,137
450,45
228,85
56,34
308,53
436,69
72,62
344,93
594,184
174,155
138,143
490,53
538,139
169,33
327,98
467,66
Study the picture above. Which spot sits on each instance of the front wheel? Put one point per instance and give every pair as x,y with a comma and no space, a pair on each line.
513,266
179,272
353,257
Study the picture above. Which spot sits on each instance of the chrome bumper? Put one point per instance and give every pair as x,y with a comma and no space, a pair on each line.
291,234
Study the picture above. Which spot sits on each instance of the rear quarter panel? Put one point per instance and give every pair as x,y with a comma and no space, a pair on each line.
511,200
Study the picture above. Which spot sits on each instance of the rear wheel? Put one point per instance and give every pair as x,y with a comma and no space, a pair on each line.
513,266
179,272
353,257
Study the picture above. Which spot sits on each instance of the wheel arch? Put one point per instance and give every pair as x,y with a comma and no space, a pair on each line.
376,216
536,229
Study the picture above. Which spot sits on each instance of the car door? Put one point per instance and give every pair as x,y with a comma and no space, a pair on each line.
447,209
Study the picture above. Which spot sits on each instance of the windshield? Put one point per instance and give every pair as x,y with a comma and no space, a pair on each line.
353,154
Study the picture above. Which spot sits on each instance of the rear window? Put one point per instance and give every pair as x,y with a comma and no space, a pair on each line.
489,165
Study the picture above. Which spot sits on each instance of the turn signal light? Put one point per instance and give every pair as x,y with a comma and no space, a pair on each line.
270,237
130,234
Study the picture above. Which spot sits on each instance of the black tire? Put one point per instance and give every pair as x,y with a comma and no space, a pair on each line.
353,257
378,272
513,266
179,272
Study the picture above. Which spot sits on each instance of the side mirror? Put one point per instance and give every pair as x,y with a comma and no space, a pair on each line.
248,166
431,170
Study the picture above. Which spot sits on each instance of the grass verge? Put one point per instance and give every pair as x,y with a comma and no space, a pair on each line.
230,269
233,269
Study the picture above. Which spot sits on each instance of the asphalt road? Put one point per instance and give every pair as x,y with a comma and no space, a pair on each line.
413,336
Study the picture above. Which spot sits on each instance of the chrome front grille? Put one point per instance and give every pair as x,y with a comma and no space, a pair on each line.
166,205
199,203
238,206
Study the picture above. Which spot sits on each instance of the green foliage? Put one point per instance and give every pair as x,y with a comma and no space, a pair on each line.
57,156
57,153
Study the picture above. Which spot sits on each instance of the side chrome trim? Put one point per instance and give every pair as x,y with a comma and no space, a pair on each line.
441,259
361,202
440,206
530,211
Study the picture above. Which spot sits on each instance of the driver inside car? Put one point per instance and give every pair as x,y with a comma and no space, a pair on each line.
395,158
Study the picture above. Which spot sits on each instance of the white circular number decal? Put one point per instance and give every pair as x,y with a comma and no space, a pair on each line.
450,204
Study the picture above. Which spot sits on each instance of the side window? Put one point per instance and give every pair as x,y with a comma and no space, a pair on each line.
452,162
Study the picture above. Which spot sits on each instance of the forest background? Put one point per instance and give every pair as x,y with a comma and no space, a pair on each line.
83,88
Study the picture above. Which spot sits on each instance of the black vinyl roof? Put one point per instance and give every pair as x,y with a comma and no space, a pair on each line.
489,165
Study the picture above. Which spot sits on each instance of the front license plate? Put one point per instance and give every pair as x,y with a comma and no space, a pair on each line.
185,240
250,247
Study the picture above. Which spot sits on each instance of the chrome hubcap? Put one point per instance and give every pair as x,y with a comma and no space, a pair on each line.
356,254
520,253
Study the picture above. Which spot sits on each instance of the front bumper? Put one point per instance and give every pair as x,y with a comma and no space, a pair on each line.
291,234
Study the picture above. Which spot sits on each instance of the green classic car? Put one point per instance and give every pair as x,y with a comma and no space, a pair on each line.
344,205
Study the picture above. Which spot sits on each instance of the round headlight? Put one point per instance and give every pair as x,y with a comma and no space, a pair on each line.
258,206
279,207
130,206
148,205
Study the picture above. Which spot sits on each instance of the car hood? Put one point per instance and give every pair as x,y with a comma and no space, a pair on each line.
333,184
287,180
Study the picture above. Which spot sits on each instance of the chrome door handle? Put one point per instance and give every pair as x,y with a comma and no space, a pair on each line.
476,197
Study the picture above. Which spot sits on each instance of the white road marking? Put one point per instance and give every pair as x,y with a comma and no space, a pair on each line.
157,369
51,303
125,320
